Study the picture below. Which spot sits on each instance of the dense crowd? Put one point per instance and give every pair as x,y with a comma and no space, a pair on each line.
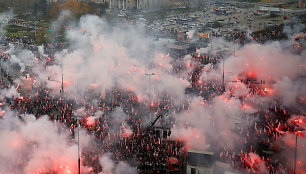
150,149
132,138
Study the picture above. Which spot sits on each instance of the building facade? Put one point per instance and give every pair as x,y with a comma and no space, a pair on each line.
133,4
137,4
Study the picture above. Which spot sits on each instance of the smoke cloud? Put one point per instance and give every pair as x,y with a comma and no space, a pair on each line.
5,17
36,146
104,56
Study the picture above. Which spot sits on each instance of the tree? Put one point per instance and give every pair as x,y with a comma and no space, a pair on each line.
72,5
85,8
54,10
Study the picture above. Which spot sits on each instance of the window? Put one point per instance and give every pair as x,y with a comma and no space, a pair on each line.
193,171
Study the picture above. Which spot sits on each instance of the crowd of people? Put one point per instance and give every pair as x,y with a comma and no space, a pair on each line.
111,134
130,137
150,149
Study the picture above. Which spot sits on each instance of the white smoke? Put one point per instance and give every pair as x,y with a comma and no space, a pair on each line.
63,19
5,17
109,166
288,141
36,145
110,57
203,124
283,73
269,62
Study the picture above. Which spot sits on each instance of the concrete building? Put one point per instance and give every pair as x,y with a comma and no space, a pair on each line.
202,162
132,4
199,162
301,3
121,4
277,1
138,4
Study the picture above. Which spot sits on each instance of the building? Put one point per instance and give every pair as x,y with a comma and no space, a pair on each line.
132,4
181,48
274,1
202,162
199,162
121,4
138,4
299,2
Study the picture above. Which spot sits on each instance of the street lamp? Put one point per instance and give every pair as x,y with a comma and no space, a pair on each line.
150,98
223,83
79,157
64,52
296,129
223,76
150,74
61,83
62,67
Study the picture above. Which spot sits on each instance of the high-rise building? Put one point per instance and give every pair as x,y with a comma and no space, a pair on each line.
301,3
120,4
138,4
275,1
132,4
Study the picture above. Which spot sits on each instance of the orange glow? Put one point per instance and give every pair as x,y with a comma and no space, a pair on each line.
2,113
29,78
82,30
132,69
62,169
267,90
250,74
298,121
67,83
245,106
89,122
196,133
94,85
